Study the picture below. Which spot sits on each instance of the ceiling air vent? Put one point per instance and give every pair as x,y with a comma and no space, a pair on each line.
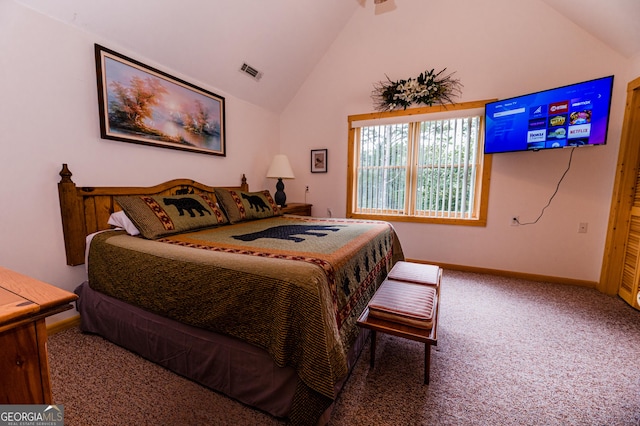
251,71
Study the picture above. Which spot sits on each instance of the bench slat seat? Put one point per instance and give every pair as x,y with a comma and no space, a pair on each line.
406,303
419,273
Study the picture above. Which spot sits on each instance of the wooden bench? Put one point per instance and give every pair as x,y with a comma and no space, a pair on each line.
406,305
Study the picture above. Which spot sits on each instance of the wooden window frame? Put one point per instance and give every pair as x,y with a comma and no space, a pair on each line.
482,179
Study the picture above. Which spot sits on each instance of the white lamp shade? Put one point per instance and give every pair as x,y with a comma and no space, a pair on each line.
280,168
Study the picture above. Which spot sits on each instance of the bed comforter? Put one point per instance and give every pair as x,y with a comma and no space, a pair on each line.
293,286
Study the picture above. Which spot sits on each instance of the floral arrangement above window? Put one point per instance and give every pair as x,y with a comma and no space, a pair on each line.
427,89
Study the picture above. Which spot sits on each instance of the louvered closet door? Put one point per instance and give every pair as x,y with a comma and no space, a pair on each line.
631,268
629,281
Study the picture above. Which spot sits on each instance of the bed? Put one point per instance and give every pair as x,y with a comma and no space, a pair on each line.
249,302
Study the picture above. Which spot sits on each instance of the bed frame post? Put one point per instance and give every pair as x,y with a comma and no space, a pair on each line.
73,224
245,185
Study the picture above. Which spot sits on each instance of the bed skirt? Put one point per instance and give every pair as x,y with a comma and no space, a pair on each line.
228,365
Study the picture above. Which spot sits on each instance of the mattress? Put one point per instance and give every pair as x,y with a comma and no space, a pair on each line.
291,286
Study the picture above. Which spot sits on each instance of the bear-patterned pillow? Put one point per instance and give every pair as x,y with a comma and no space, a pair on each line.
240,205
156,216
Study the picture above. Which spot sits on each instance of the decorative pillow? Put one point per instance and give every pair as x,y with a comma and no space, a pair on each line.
120,220
156,216
240,206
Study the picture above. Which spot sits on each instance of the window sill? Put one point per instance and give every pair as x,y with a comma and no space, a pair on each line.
416,219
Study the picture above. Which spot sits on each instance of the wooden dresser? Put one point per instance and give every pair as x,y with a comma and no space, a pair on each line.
24,304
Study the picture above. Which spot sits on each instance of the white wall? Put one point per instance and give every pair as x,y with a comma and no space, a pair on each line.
635,65
498,49
49,116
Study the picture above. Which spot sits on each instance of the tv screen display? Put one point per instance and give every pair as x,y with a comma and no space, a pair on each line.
573,115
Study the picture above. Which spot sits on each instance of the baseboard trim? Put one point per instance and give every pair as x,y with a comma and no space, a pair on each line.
511,274
63,325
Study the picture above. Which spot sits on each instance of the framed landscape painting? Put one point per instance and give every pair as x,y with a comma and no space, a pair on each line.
143,105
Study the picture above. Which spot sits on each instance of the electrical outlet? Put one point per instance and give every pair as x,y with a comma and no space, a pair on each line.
306,189
515,220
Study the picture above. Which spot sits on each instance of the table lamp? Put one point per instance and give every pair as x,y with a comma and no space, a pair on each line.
280,169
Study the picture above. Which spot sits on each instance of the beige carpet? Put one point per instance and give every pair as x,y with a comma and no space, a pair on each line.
510,352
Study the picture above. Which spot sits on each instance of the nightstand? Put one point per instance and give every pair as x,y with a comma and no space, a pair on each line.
301,209
24,304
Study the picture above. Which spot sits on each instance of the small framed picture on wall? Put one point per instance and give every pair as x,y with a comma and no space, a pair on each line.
318,161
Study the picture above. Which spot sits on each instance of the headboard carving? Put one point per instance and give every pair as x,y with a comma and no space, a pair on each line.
86,209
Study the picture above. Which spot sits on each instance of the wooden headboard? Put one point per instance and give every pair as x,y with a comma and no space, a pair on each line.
86,209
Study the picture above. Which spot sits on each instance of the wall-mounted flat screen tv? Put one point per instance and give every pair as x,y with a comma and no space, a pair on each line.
573,115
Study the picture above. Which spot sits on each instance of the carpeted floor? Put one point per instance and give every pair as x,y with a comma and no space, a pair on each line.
510,352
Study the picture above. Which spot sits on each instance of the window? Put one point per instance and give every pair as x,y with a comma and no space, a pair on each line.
423,164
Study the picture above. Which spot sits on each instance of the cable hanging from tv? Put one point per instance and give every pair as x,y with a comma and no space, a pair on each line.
553,195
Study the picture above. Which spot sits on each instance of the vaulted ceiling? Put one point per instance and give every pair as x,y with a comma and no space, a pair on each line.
208,41
614,22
